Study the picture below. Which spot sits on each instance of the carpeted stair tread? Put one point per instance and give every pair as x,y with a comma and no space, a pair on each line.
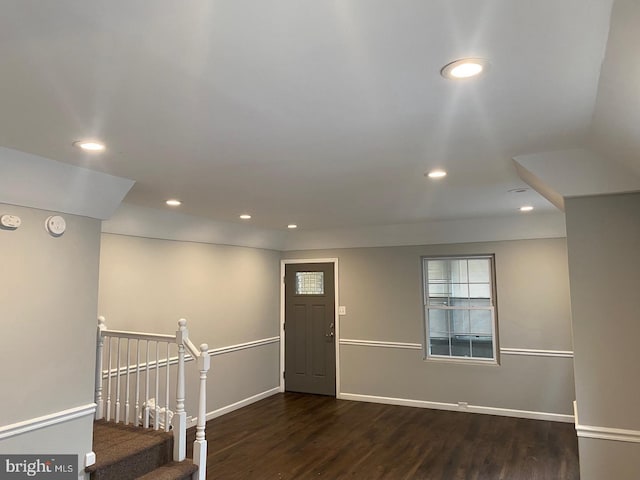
127,452
172,471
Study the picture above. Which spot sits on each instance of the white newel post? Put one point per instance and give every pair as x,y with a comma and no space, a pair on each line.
200,445
180,417
100,345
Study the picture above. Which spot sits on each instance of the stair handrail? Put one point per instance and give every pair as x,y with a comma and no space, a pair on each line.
179,421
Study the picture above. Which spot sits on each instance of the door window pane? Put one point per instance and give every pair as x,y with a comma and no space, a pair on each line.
309,283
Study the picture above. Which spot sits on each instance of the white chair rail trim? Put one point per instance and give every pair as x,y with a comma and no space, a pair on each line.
605,433
243,346
418,346
532,352
37,423
377,343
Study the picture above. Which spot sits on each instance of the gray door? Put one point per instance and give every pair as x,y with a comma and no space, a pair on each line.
310,349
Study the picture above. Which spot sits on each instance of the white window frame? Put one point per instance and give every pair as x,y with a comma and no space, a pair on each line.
492,308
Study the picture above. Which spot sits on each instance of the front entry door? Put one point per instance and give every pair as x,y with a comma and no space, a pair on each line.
310,349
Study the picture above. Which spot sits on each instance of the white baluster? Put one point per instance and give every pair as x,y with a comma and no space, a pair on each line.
157,417
180,417
127,411
118,386
99,354
145,422
200,445
166,391
109,380
136,420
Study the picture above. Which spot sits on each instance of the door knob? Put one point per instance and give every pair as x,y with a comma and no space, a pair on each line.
331,332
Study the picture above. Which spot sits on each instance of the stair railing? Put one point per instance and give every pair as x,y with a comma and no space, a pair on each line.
151,346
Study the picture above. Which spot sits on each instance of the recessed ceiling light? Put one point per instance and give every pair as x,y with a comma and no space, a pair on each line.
292,226
89,145
437,174
245,216
526,208
518,190
464,68
173,202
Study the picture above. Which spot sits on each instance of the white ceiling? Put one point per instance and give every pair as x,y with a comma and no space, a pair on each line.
321,113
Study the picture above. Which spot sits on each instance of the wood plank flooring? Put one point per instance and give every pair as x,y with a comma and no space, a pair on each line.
296,436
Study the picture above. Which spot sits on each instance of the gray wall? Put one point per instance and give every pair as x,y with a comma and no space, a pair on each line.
603,236
229,295
48,293
381,289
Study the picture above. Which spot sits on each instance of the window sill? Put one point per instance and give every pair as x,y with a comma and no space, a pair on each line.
462,361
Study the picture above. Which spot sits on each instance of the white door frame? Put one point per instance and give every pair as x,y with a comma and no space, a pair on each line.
335,314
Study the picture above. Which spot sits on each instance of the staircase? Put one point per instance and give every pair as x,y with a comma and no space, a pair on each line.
139,432
125,452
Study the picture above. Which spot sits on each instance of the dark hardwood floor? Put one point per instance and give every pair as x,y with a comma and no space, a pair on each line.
295,436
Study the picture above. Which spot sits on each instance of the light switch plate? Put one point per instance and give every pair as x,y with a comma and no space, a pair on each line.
342,310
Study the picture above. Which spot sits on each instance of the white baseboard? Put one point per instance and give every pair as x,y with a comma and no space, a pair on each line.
504,412
191,421
37,423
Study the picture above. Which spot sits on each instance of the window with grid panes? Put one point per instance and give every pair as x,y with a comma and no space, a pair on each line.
459,308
